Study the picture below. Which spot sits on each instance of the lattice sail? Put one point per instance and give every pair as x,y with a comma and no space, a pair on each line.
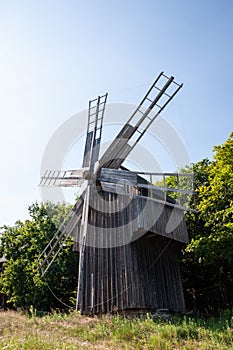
159,95
58,240
64,178
94,130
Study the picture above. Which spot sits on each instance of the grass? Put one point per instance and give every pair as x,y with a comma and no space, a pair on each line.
72,331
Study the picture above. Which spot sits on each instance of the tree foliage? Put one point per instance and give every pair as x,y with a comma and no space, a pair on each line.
207,262
21,245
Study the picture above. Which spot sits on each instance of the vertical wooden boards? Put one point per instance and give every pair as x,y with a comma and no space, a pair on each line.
141,274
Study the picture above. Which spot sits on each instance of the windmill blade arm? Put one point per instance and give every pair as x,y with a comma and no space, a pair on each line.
156,99
117,149
82,242
55,245
63,178
94,130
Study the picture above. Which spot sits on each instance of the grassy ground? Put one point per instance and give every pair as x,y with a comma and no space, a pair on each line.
58,331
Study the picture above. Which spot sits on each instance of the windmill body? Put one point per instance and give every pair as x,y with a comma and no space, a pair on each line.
128,232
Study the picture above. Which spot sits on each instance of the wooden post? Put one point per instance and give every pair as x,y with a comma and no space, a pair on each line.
92,293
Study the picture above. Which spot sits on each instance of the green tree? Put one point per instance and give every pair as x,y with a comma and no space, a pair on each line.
22,245
207,262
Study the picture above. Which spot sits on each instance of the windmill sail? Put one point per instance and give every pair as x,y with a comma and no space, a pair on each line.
63,178
58,240
94,130
75,178
159,95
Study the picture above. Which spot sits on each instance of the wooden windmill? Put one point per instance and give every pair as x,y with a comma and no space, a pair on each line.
127,255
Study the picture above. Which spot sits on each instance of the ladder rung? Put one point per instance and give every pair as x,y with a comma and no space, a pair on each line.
95,106
156,87
101,110
141,111
95,121
95,99
91,115
99,119
105,95
92,122
176,83
149,99
164,75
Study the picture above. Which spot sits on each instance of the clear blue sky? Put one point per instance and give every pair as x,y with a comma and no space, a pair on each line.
56,55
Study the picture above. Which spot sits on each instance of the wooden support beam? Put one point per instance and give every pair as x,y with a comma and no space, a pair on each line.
118,176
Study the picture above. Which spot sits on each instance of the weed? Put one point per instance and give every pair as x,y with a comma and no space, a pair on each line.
73,331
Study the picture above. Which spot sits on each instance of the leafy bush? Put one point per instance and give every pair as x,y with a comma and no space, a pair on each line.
21,245
207,262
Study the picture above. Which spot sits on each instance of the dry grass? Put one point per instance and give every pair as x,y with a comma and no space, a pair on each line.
62,331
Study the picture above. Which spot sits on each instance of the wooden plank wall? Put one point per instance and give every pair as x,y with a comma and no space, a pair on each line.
134,276
137,213
131,271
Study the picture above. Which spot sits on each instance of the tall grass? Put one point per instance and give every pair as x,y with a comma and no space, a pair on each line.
72,331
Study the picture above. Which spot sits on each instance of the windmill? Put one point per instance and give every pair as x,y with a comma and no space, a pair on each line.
127,256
